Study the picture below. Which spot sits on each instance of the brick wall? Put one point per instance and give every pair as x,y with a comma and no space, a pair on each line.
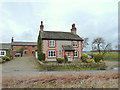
28,51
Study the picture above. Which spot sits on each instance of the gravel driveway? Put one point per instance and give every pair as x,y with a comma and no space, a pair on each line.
19,65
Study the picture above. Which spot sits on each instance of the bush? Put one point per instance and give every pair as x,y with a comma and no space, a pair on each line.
98,57
84,58
65,58
60,60
41,56
90,61
6,58
101,61
0,60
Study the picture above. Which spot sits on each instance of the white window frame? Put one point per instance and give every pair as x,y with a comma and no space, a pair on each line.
75,44
54,53
4,53
52,43
75,55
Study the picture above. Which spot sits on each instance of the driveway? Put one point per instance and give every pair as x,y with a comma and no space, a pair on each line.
19,65
25,66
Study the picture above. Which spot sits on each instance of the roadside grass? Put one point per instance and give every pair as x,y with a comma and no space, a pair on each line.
82,80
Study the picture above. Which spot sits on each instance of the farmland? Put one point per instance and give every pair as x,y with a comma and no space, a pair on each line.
109,56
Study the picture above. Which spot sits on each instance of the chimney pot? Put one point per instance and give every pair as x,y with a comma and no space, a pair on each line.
41,26
73,30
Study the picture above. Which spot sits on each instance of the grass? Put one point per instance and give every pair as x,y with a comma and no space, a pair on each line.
109,56
104,80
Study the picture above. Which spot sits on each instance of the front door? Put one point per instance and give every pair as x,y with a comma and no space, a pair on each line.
69,56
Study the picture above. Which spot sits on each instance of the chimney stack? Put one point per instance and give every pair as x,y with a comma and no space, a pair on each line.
73,30
12,40
41,26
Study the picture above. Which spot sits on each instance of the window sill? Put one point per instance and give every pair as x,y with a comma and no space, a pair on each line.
51,46
51,57
75,46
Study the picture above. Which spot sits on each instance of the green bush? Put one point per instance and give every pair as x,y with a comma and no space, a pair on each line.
6,58
0,60
98,57
65,58
90,61
60,60
41,56
84,58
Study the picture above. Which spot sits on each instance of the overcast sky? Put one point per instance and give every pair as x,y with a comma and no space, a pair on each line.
21,20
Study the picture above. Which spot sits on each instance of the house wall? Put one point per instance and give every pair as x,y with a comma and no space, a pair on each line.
28,49
58,48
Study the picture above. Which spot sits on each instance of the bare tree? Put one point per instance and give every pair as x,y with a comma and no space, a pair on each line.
100,45
107,48
85,43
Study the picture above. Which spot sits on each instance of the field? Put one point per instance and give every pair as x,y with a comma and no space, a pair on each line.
103,80
109,56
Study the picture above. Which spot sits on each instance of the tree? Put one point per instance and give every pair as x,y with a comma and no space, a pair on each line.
41,56
8,53
39,45
100,45
97,43
85,43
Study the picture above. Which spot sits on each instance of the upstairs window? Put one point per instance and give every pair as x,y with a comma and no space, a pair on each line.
74,43
52,43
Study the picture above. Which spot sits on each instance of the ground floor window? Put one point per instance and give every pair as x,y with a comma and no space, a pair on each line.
2,53
75,53
52,53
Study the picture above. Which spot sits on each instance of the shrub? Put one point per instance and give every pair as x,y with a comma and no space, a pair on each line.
0,60
41,56
84,58
65,58
101,61
60,60
90,61
6,58
98,57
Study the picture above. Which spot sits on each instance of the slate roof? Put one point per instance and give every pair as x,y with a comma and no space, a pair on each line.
24,43
4,46
57,35
68,48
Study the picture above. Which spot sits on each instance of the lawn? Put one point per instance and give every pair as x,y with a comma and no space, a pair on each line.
109,56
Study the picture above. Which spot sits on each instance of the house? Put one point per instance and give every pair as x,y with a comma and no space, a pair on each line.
4,47
56,44
29,48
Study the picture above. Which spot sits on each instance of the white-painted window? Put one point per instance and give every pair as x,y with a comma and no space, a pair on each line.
75,53
52,43
74,43
52,53
2,53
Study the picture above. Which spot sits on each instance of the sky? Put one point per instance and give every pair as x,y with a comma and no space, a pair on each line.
92,18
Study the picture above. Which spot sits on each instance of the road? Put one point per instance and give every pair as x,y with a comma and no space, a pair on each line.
25,66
